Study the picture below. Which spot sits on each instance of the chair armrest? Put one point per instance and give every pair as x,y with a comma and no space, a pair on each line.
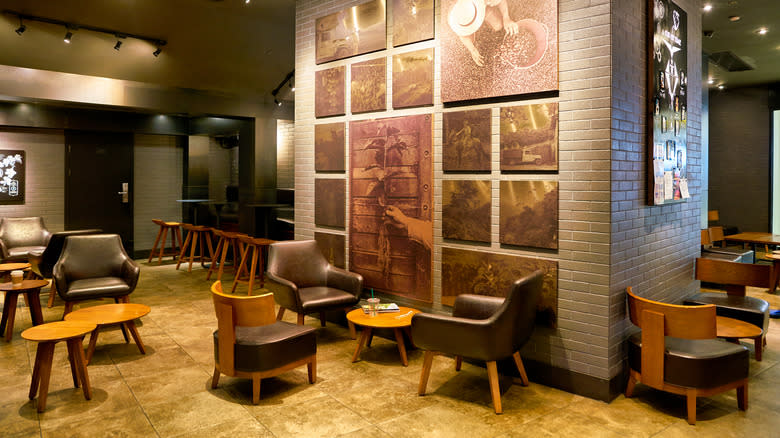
46,237
476,306
454,335
347,281
130,273
3,250
35,258
285,292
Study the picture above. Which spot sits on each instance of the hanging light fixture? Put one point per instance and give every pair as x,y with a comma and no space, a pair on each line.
68,35
20,30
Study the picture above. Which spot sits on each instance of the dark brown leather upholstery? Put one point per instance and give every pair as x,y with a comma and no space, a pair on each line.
271,346
21,235
94,266
749,309
43,261
303,281
690,362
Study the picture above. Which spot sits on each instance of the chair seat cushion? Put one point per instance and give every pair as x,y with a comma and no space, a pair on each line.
270,346
696,363
749,309
318,298
95,287
20,253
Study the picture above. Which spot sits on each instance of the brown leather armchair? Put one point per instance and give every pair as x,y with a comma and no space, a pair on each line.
94,266
481,327
303,281
21,235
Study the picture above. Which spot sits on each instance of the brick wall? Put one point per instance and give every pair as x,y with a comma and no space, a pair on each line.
45,174
285,153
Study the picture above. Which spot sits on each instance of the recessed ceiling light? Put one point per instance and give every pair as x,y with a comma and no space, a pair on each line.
721,87
707,7
734,18
710,81
762,31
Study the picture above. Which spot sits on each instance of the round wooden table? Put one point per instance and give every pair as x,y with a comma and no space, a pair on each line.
47,335
733,329
397,321
31,290
108,314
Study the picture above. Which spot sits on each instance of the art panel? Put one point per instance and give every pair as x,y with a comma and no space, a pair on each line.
529,137
391,205
330,202
332,247
483,273
466,141
329,144
529,214
349,32
494,48
329,92
412,21
368,86
466,210
413,79
667,133
12,176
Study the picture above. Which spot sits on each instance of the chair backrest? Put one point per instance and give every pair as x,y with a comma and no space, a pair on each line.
658,320
92,256
713,216
54,249
733,275
299,261
234,310
23,231
716,235
514,321
705,238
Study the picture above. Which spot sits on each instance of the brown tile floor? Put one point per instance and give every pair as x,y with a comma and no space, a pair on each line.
167,392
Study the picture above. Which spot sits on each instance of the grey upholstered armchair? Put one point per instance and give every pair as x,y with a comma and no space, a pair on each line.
483,328
95,266
21,235
303,281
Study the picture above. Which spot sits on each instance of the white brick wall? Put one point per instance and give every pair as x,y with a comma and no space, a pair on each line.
45,174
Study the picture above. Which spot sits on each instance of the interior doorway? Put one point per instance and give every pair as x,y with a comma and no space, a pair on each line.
99,183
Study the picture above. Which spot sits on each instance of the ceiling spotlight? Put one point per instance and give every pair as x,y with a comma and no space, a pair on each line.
157,52
707,7
277,102
20,30
117,45
710,81
762,31
721,87
734,18
68,36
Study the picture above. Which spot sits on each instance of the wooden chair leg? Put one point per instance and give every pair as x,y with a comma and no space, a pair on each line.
162,245
183,249
215,378
154,247
322,319
352,331
520,368
241,267
425,372
253,270
68,308
311,367
690,396
300,319
52,293
630,386
742,397
280,314
759,343
458,362
256,389
495,390
214,258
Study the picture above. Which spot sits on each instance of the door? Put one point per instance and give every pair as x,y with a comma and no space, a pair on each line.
99,183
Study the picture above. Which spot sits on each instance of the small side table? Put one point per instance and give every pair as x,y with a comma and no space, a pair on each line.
6,268
733,329
31,290
47,335
108,314
401,320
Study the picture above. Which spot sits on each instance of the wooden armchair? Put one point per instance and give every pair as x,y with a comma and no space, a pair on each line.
250,343
677,352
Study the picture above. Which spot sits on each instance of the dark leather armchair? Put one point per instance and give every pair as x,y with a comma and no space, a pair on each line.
21,235
249,343
95,266
303,281
42,262
483,328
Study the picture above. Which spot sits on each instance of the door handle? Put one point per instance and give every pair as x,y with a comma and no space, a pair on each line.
125,193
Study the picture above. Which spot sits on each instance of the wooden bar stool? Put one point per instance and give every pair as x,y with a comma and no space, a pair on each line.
163,233
226,241
255,246
47,335
196,234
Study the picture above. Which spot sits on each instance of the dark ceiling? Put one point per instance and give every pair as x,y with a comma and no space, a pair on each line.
741,39
228,46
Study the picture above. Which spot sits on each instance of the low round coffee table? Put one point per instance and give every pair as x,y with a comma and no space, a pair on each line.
108,314
397,321
31,290
733,329
47,336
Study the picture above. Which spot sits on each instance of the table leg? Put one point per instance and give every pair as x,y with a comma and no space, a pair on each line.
81,366
72,361
36,313
364,335
8,317
759,343
136,337
408,331
399,338
4,320
44,354
775,276
92,342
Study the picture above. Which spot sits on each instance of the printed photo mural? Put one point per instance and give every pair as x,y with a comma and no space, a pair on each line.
529,137
352,31
329,92
668,105
412,21
496,48
368,85
329,147
391,188
332,247
484,273
529,213
12,175
466,210
466,141
413,79
330,202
